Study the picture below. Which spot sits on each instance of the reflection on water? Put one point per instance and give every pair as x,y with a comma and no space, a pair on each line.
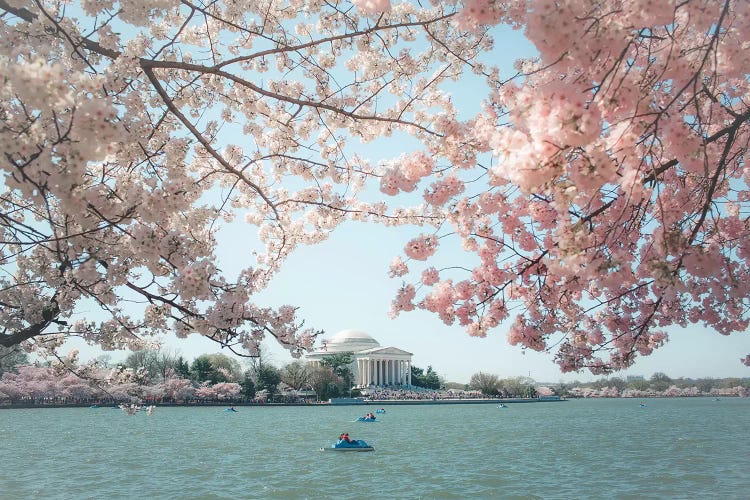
672,448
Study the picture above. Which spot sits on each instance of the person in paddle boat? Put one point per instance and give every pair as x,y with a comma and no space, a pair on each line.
346,443
371,416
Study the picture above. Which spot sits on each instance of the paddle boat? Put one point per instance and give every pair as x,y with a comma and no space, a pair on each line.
352,445
381,410
231,410
366,419
502,405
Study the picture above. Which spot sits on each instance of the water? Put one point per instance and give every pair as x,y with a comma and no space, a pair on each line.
672,448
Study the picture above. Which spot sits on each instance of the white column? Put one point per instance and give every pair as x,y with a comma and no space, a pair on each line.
408,372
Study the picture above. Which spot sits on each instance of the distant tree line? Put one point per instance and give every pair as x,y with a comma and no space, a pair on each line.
10,357
162,376
660,384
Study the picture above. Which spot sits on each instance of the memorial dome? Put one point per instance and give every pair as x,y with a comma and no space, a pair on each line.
351,340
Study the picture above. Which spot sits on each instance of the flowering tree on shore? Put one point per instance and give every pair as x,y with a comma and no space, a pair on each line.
602,191
56,384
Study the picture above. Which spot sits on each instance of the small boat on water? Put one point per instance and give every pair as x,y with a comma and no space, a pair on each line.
353,445
365,419
502,405
381,410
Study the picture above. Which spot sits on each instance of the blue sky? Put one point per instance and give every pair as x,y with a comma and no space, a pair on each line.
343,283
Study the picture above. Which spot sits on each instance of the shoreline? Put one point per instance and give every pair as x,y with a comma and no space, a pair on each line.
334,403
326,404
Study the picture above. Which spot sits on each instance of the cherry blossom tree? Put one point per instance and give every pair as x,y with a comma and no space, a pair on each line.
227,390
603,191
132,131
600,196
31,383
205,391
178,389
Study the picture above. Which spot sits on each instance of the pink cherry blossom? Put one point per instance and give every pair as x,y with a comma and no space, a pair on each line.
611,208
600,194
133,151
422,247
372,6
398,268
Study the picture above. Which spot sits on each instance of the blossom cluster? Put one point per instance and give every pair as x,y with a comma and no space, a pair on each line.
124,172
614,203
601,192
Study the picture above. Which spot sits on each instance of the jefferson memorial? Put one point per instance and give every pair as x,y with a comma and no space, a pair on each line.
373,364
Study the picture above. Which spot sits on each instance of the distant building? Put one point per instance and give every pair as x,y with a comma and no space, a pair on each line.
373,364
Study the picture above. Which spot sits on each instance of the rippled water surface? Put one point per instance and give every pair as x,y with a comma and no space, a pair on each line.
671,448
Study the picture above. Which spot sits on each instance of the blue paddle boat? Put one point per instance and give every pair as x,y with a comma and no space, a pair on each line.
353,445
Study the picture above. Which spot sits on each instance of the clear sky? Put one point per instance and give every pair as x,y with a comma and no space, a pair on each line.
343,283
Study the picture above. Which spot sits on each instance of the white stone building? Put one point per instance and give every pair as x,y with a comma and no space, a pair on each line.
373,365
